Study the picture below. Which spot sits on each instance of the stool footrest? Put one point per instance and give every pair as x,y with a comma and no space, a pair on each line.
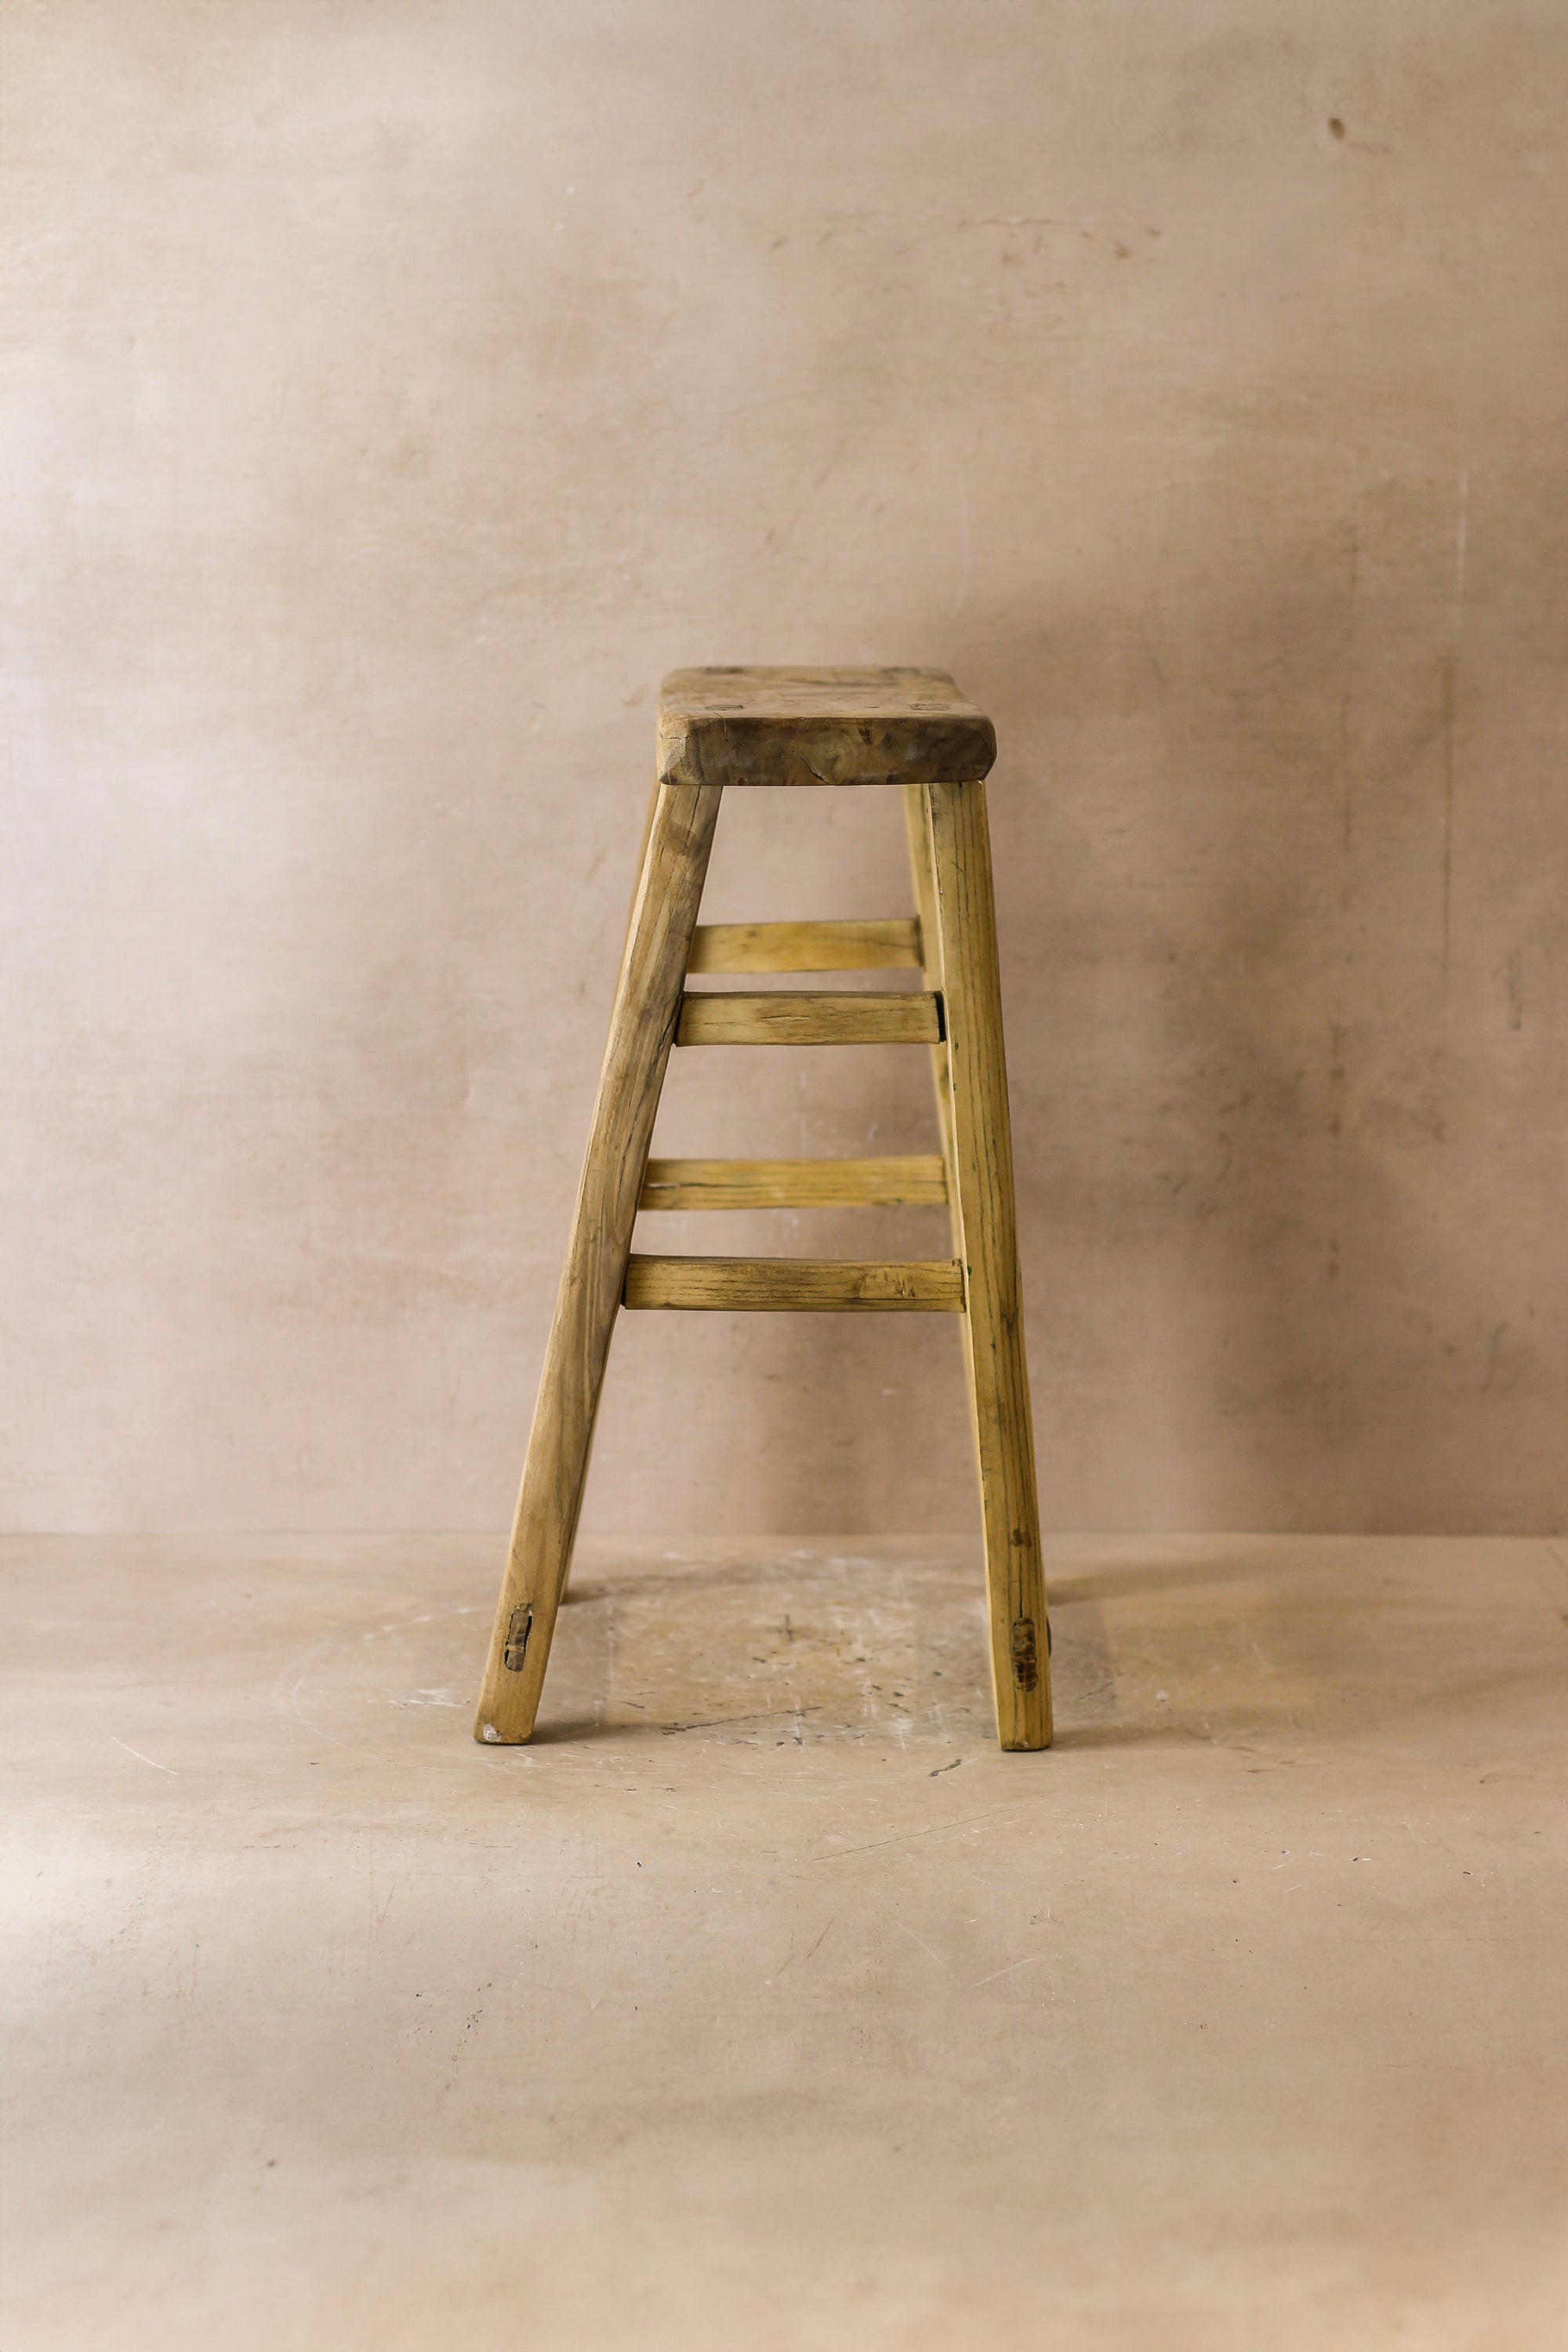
806,947
919,1179
721,1285
807,1017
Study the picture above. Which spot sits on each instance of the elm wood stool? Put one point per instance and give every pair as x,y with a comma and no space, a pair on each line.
746,727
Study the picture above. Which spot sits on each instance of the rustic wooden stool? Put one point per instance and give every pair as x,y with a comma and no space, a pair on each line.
718,727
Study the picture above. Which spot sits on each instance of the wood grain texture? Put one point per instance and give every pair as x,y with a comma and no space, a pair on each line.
806,947
758,726
642,1026
794,1285
922,879
918,1180
984,1207
809,1017
648,815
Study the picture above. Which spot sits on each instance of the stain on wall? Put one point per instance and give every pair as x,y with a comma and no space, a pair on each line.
394,392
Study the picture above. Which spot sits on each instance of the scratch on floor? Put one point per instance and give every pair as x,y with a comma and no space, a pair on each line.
810,1953
905,1837
1024,1963
144,1759
921,1941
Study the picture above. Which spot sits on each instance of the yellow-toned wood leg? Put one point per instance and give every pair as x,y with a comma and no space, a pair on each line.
631,911
917,828
652,812
986,1240
642,1027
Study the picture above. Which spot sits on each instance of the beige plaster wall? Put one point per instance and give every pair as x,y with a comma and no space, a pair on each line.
394,391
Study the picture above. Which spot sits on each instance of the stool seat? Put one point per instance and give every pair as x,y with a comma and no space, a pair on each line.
756,726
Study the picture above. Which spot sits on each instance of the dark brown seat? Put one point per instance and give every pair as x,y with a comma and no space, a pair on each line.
820,727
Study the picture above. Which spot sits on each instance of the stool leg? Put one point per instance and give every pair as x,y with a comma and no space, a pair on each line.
987,1244
922,874
642,1026
631,917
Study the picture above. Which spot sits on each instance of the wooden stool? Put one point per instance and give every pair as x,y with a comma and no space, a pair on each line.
741,727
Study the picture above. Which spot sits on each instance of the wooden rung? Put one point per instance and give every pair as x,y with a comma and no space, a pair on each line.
806,1017
919,1179
825,1285
804,946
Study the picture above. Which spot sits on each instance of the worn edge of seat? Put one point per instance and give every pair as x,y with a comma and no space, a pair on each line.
802,748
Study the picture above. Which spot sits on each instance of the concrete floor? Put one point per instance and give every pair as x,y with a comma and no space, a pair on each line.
761,2002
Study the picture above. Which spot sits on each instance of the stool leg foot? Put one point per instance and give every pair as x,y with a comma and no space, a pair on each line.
642,1026
986,1239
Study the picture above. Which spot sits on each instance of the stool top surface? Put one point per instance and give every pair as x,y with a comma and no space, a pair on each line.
757,726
